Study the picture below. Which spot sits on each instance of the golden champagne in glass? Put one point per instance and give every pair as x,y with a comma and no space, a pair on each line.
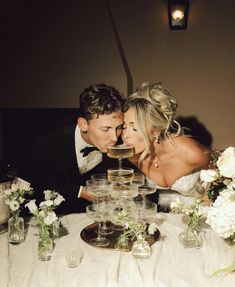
120,151
120,175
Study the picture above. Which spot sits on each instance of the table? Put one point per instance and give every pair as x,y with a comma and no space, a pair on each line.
170,265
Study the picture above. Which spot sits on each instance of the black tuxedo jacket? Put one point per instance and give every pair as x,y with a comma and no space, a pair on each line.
52,164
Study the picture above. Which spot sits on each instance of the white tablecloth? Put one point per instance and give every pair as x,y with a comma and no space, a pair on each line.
170,265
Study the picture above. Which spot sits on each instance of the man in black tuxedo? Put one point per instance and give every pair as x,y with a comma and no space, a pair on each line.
64,158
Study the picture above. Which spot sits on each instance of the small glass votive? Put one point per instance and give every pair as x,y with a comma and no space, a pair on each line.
73,258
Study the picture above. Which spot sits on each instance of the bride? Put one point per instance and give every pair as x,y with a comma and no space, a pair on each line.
162,152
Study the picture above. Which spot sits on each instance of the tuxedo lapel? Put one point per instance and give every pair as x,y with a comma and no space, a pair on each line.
69,154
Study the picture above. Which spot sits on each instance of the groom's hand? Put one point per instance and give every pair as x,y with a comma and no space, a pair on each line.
87,195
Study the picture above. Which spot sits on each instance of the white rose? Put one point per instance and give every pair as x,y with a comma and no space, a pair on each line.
208,175
50,218
8,192
14,205
226,163
32,206
221,215
14,187
58,200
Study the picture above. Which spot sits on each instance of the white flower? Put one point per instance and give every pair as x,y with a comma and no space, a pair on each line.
14,205
21,199
177,205
14,187
226,163
23,184
58,199
208,175
47,194
44,213
221,215
152,228
46,203
32,206
8,192
50,218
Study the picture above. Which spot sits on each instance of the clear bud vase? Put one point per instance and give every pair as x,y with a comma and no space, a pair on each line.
141,248
55,229
15,229
191,237
45,243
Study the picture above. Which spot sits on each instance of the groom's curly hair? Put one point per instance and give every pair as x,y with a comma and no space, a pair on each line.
100,99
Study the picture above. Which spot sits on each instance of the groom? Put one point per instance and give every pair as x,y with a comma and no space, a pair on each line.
66,157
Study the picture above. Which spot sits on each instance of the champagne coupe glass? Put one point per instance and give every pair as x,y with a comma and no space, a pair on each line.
120,176
93,213
149,211
146,189
106,229
124,191
100,188
120,151
138,178
99,176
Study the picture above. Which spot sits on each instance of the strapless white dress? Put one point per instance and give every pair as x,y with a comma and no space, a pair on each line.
183,187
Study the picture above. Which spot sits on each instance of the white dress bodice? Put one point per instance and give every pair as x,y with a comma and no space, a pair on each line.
184,186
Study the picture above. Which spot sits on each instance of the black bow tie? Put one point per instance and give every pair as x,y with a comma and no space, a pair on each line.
87,150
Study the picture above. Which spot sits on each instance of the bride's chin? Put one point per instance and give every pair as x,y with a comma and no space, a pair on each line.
128,144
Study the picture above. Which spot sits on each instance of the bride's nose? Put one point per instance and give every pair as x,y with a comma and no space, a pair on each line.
124,134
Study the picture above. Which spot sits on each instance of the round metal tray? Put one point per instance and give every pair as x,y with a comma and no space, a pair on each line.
90,232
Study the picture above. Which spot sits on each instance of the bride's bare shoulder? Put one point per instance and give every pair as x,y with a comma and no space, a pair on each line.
192,151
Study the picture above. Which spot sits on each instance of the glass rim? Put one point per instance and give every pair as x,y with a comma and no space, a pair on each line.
120,146
98,181
122,168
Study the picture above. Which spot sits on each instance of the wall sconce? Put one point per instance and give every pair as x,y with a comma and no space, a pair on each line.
178,14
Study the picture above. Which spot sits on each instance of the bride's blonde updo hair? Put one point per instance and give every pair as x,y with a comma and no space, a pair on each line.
154,111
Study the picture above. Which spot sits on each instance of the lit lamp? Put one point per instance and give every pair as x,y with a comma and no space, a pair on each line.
178,14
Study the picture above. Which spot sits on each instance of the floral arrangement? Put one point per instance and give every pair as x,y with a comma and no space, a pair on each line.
192,214
221,173
218,182
221,215
45,214
16,195
133,228
47,221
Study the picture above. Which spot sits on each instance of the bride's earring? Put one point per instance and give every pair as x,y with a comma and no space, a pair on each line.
158,139
156,163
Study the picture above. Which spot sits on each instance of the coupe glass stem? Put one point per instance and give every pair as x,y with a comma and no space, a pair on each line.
120,163
99,236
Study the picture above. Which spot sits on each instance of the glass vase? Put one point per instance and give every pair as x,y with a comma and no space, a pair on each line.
141,248
45,243
55,229
191,237
15,229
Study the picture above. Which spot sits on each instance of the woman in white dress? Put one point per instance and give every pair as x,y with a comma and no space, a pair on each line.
162,152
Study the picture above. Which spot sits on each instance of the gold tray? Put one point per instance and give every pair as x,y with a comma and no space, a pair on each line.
90,232
3,228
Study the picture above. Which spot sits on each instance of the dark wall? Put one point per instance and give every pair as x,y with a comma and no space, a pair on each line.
21,126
